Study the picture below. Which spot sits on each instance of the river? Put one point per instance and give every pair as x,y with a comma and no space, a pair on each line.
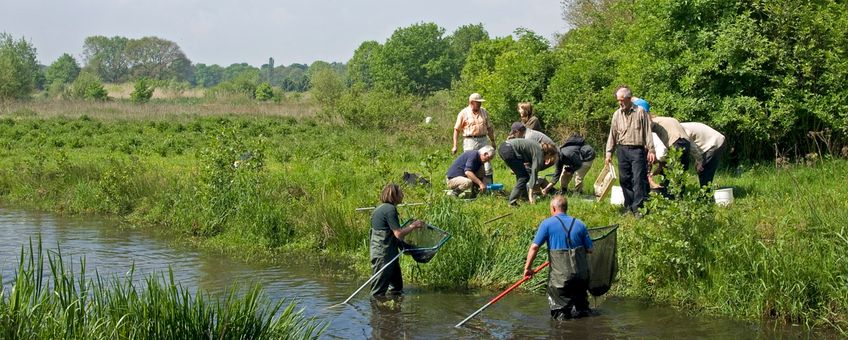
421,314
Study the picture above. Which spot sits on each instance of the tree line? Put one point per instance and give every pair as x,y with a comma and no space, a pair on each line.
769,73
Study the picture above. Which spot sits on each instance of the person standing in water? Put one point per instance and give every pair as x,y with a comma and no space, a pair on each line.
386,234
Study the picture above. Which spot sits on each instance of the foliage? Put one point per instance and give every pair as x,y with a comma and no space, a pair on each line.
244,84
327,87
63,71
208,76
18,68
143,91
360,67
264,92
508,72
414,60
105,57
87,86
375,109
118,58
68,305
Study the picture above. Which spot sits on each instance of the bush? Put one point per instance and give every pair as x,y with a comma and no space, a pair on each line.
143,91
377,108
88,86
264,92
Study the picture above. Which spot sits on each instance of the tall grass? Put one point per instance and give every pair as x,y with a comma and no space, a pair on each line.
260,186
47,300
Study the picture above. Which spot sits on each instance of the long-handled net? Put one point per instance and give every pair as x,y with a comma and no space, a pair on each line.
603,265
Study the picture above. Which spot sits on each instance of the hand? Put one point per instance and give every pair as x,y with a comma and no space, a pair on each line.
606,161
699,166
651,157
482,187
453,150
528,272
417,224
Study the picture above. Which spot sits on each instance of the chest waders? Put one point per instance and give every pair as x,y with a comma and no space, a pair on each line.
569,271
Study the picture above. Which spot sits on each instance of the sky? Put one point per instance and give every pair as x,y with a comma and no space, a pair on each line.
224,32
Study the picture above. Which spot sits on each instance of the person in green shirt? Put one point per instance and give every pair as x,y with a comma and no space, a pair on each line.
386,234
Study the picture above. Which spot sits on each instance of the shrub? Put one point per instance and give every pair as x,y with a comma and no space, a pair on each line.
88,86
142,92
18,68
264,92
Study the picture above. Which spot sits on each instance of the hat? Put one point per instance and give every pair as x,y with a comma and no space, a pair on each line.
476,97
518,126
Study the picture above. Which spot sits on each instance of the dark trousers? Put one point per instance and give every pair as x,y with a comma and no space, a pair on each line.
710,166
633,169
522,176
389,280
574,293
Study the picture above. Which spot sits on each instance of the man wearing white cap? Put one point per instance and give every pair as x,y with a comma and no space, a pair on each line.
476,129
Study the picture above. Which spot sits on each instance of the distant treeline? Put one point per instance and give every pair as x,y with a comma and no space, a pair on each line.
770,74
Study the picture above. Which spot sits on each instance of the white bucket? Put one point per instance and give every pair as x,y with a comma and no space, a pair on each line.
428,120
617,196
723,197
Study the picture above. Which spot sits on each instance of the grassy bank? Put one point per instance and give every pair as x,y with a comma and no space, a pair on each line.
261,186
66,305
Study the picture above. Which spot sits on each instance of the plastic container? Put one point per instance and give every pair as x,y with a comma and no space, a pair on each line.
617,197
723,197
494,187
604,182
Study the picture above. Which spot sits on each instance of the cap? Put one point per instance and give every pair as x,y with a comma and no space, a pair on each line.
476,97
518,126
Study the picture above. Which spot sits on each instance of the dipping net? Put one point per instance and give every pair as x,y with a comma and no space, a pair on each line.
423,243
603,265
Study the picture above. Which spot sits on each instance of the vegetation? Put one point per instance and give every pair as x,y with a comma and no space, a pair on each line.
18,68
263,188
142,92
69,305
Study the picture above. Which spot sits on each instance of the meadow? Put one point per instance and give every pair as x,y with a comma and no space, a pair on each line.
265,181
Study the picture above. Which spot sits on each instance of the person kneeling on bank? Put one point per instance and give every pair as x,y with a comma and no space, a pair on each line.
467,170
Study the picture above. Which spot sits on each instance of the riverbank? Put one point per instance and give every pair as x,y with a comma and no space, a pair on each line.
261,188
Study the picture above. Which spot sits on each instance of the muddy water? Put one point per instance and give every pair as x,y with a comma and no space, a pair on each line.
421,313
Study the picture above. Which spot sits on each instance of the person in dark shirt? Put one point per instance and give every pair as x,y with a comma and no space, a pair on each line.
386,234
575,159
467,170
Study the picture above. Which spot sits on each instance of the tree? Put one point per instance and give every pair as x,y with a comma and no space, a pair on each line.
18,68
414,60
264,92
327,86
156,58
360,67
461,42
208,76
106,57
62,71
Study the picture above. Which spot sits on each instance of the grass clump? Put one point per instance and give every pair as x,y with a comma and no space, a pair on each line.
53,302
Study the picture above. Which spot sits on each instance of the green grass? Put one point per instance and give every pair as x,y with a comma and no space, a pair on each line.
778,252
68,305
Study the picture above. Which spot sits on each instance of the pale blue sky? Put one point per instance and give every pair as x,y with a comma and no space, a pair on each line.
225,32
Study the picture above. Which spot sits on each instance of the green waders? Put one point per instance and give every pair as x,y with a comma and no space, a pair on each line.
568,279
384,248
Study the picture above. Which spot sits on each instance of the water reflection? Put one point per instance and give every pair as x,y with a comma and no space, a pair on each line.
420,314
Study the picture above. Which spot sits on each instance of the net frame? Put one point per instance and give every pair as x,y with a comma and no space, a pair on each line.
424,254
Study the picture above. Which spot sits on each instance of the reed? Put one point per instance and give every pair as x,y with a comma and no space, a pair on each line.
50,298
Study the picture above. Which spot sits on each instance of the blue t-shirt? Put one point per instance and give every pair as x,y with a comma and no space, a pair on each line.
552,232
643,103
467,161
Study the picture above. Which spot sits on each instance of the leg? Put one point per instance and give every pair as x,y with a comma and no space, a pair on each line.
381,284
625,171
580,175
460,183
517,166
395,278
710,166
640,179
564,179
558,303
684,147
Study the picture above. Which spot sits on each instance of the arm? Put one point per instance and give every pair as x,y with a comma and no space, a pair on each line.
455,135
649,138
531,255
401,232
557,174
460,123
473,177
534,172
610,142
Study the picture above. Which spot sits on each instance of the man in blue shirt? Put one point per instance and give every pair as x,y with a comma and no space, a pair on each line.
466,171
568,278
